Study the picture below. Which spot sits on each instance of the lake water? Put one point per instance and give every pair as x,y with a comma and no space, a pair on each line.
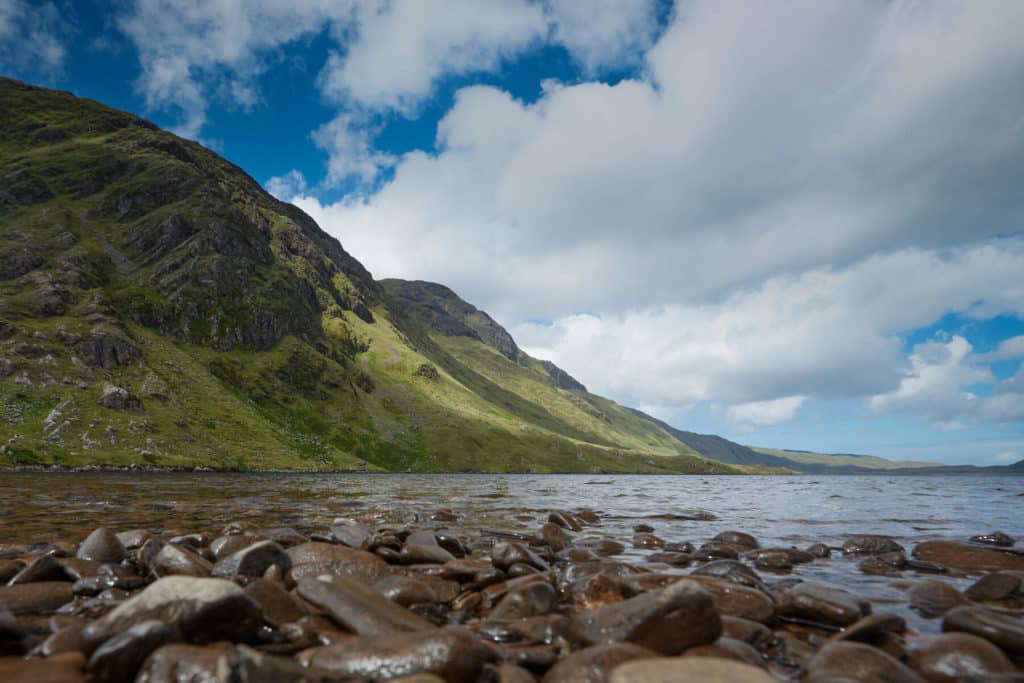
786,511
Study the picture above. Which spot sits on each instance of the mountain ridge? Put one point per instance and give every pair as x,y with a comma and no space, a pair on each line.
158,307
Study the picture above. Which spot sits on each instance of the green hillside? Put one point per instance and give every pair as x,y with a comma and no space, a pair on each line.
843,460
158,307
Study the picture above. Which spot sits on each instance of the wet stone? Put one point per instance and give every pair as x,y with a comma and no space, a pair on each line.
934,598
202,609
732,570
531,600
702,669
65,668
819,551
595,664
359,608
119,658
506,554
667,621
102,545
969,557
421,553
727,648
716,551
820,604
39,597
737,600
351,533
647,540
996,586
1001,628
874,629
869,544
454,654
997,538
952,657
222,546
173,560
253,561
278,605
847,661
739,539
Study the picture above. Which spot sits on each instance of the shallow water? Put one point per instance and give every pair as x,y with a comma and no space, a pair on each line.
786,511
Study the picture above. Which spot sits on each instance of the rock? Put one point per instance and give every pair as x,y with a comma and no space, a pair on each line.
253,560
133,539
969,557
531,600
507,673
119,658
747,631
846,661
106,350
772,560
102,545
313,552
820,604
1002,628
173,560
819,550
39,597
554,536
119,398
738,539
154,387
677,670
595,664
736,600
731,570
202,609
416,553
667,621
350,532
952,657
934,598
7,368
507,553
564,519
874,629
996,586
223,546
716,551
43,568
278,605
602,547
410,590
359,608
224,662
727,648
997,538
454,654
868,544
646,540
64,668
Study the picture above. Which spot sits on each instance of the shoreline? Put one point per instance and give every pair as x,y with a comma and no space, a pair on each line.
552,596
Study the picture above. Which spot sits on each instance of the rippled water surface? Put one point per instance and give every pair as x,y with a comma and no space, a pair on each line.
787,511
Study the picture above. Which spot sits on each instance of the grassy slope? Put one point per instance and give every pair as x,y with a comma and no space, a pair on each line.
864,461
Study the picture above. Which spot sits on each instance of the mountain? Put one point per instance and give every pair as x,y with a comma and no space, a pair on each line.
157,306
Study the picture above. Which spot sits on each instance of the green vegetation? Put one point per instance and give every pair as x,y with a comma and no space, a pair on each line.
840,460
157,307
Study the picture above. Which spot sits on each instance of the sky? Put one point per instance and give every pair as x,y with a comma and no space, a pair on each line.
797,225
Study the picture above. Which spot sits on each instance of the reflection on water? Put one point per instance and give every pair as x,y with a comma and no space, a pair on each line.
785,511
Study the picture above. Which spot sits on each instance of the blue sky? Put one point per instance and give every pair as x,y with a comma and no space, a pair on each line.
795,225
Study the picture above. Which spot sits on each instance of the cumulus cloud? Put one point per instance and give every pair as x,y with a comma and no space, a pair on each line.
833,333
767,139
401,48
1008,348
190,51
286,186
603,33
348,141
32,39
747,416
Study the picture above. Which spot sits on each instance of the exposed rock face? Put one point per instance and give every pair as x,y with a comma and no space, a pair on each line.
562,379
119,398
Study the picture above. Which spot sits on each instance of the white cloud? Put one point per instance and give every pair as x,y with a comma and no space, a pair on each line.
1008,348
747,416
33,39
822,333
286,186
190,50
603,33
401,48
760,145
348,140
